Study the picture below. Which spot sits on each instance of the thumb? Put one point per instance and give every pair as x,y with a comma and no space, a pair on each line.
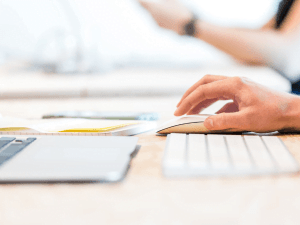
225,121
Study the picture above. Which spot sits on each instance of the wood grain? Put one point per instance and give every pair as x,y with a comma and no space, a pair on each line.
145,197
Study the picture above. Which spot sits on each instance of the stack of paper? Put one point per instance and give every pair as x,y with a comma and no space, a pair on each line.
73,127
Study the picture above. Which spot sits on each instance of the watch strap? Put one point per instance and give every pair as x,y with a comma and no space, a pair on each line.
190,27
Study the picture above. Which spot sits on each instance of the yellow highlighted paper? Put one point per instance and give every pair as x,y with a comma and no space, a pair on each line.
98,130
70,127
14,129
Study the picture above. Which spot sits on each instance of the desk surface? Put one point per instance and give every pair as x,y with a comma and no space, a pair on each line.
19,83
145,197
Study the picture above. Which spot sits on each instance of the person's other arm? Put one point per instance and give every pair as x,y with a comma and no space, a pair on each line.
246,45
269,25
254,107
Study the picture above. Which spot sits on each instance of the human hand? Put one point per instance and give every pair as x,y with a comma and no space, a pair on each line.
254,107
169,14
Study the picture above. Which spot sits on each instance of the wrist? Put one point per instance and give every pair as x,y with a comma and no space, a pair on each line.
184,22
190,27
291,116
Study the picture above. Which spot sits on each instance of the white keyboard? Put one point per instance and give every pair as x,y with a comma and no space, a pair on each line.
226,155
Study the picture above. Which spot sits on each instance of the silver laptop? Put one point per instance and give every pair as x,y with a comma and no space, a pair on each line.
64,158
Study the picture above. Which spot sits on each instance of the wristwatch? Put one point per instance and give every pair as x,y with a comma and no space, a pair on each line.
190,28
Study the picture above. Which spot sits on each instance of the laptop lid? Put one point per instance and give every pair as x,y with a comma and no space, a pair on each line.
64,158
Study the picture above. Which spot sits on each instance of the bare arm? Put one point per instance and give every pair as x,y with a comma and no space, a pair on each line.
269,25
246,45
250,46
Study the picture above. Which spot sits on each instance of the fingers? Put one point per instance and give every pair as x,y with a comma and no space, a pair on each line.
224,121
147,3
229,107
144,3
221,89
205,80
197,109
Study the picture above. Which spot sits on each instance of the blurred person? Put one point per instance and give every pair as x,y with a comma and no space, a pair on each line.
254,107
270,45
242,44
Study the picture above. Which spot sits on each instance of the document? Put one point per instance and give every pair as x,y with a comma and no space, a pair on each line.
71,127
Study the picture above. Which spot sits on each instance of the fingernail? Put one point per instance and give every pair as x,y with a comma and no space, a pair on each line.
176,112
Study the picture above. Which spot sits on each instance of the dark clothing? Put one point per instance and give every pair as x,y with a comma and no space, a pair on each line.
283,10
296,88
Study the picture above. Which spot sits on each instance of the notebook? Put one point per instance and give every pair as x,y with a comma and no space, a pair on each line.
73,127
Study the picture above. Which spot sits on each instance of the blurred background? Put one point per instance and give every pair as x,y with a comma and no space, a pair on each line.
73,36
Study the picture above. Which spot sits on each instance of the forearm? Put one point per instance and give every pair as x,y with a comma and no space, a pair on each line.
251,46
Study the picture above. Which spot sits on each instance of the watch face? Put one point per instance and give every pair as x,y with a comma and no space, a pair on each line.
190,28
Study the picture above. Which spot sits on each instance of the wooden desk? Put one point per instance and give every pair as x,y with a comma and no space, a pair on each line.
17,82
145,197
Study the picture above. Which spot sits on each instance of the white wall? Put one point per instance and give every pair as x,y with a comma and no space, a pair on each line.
120,30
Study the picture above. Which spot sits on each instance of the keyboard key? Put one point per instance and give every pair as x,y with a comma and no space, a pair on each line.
282,156
14,148
238,152
197,154
261,157
30,140
175,154
3,159
5,140
218,153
